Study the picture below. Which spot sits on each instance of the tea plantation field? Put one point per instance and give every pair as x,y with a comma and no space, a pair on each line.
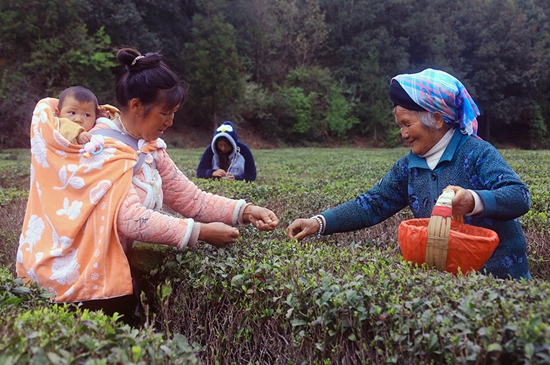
347,298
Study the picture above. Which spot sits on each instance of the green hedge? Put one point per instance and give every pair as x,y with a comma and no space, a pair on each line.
33,331
271,301
347,298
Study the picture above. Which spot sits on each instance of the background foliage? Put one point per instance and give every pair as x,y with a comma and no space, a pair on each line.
298,72
344,298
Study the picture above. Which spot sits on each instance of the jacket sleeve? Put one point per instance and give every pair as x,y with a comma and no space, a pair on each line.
377,204
69,129
503,193
249,164
136,222
188,200
205,170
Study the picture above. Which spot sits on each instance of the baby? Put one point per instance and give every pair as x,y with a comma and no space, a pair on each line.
77,111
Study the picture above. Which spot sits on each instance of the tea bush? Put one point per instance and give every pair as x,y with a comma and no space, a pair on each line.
34,331
347,298
275,302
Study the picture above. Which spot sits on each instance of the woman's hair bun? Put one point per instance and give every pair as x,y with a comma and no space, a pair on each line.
135,61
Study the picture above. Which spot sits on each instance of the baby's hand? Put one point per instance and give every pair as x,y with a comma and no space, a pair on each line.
103,112
84,137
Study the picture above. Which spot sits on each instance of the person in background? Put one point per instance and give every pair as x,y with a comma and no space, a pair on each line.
227,157
85,212
438,118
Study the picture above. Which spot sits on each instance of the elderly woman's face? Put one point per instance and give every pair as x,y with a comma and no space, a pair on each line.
413,131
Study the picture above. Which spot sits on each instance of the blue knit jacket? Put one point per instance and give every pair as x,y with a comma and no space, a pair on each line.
467,162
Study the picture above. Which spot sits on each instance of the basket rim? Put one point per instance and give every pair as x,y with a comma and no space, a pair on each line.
423,223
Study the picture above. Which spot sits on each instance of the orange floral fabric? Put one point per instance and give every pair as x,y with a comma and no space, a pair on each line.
69,243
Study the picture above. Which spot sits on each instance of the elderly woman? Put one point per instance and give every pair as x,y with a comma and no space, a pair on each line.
437,117
85,209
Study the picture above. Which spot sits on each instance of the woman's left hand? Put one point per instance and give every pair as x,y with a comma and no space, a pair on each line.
262,218
463,202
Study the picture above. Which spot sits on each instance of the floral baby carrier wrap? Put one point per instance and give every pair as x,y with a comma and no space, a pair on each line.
69,243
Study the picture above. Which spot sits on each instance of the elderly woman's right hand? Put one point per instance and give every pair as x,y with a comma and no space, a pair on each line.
218,234
302,228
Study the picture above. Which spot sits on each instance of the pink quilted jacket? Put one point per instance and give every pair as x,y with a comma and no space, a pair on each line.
140,216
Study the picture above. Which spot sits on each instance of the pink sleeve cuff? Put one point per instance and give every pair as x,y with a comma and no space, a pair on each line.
243,206
191,236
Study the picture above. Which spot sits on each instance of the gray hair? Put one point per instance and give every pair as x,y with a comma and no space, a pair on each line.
425,117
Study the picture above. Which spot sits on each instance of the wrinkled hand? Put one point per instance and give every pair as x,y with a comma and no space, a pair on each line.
262,218
84,138
219,173
463,202
301,228
218,234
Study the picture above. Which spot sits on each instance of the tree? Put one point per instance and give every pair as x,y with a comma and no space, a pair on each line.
213,68
339,118
503,66
301,31
148,25
317,105
254,23
366,47
46,47
277,36
537,13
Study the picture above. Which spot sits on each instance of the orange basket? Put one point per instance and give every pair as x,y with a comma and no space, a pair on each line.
446,243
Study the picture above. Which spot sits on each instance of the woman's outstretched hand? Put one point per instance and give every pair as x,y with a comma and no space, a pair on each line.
262,218
301,228
218,234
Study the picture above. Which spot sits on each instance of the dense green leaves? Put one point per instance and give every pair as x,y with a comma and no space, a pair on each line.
348,297
213,69
499,49
46,47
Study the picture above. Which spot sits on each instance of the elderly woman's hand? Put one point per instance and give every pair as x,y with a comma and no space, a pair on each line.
302,228
463,202
262,218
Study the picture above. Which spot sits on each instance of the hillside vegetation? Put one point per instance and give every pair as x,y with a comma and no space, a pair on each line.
298,72
347,298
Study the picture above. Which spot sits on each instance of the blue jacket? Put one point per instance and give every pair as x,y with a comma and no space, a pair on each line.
241,161
467,162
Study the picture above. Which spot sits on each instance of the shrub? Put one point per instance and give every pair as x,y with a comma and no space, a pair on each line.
58,335
34,331
272,301
347,298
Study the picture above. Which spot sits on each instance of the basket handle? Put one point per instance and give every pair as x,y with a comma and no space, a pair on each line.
439,228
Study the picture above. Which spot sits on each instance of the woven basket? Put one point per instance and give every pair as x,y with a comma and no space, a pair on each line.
445,242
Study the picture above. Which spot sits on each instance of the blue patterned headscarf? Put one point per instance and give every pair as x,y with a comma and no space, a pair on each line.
438,91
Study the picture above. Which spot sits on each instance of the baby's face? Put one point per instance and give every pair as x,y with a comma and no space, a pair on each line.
83,113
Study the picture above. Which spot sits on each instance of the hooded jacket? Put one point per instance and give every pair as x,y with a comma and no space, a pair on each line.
241,161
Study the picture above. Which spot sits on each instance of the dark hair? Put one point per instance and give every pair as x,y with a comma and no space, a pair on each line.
148,79
223,157
80,94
